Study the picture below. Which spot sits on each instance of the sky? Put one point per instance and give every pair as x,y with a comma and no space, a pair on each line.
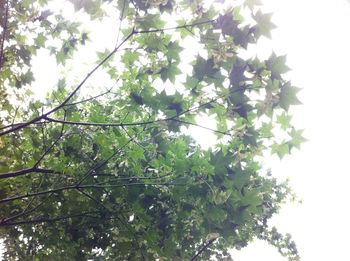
315,36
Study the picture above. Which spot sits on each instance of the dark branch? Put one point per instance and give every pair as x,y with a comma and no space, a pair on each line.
40,220
203,248
47,151
100,165
26,211
4,31
174,28
89,99
77,187
101,124
45,115
203,127
36,119
27,171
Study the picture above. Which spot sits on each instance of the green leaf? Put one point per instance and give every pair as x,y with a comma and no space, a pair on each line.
216,215
145,190
130,57
297,138
273,85
204,68
227,24
277,66
288,96
264,24
284,120
170,72
174,50
40,40
137,153
281,149
150,21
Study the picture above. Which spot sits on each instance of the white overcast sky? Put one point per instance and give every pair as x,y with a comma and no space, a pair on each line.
315,35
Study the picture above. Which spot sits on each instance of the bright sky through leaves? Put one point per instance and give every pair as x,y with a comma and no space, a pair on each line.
236,164
316,38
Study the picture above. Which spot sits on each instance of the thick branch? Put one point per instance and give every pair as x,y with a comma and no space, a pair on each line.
27,171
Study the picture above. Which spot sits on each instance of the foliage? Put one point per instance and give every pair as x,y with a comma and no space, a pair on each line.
115,175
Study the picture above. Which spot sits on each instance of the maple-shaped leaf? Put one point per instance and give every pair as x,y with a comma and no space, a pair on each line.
174,50
284,120
264,24
227,24
204,68
281,149
277,66
288,96
297,138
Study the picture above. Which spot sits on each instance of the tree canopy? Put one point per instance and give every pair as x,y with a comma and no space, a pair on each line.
109,171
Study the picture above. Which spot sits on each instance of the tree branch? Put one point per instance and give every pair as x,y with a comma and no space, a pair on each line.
101,124
89,99
25,211
175,27
98,166
35,168
40,220
77,187
43,116
201,126
2,47
27,171
203,248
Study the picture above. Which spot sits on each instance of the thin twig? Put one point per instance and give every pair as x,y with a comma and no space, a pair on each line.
93,199
89,186
40,220
201,126
89,99
120,21
52,145
98,166
175,27
67,99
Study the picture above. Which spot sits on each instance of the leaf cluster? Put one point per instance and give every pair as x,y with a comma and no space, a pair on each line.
111,173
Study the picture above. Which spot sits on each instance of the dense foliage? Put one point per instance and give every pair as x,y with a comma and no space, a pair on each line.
109,172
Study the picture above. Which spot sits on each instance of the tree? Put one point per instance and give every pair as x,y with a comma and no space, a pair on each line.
112,173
